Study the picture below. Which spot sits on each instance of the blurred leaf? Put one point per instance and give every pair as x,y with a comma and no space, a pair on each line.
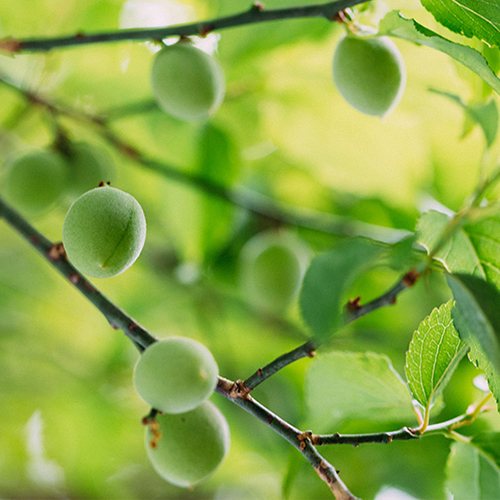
218,162
327,280
345,386
483,114
471,474
434,353
489,444
471,18
395,24
457,254
476,316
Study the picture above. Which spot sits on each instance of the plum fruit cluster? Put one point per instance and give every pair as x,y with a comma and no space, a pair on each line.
369,73
36,180
186,82
190,439
104,232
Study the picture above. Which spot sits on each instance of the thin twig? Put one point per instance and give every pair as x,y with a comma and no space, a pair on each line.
256,14
354,311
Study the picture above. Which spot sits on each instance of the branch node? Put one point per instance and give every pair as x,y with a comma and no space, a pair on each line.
311,353
205,30
56,252
353,305
258,6
10,45
74,278
410,278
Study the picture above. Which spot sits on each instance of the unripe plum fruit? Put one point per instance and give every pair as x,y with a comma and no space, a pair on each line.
186,448
176,374
272,266
104,232
34,181
88,167
369,73
186,82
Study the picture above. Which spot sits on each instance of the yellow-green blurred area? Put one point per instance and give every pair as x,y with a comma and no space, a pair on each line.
70,419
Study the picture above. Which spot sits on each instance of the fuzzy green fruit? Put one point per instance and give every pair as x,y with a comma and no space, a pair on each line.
88,167
176,374
104,232
34,181
272,266
190,446
187,83
369,73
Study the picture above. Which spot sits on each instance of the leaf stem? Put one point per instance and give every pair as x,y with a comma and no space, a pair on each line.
256,14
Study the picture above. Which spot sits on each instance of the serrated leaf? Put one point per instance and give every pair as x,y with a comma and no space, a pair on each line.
476,316
483,114
471,474
346,386
434,353
396,25
458,254
471,18
326,281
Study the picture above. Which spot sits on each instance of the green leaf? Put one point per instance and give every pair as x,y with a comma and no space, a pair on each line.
458,254
327,279
434,353
217,162
471,18
396,25
346,386
483,114
471,474
476,316
489,444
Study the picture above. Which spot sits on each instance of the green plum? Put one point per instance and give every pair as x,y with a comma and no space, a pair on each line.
369,73
186,448
176,374
272,266
34,181
104,232
186,82
88,167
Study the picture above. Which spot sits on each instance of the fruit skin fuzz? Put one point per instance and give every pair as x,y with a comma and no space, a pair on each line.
369,73
104,232
176,374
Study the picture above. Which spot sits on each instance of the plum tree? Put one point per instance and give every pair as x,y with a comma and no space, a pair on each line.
88,167
186,448
104,232
34,181
186,82
369,73
272,266
176,374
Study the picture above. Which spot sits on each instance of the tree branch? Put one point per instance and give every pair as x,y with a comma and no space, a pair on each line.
256,14
354,311
233,391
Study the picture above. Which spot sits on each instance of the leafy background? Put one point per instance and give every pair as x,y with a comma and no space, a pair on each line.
70,419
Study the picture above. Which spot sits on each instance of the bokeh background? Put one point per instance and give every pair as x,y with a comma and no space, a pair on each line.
69,415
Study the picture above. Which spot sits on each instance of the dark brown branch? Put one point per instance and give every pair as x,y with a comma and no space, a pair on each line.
256,14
